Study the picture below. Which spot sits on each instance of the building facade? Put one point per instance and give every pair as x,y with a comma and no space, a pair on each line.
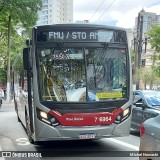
149,19
158,20
55,12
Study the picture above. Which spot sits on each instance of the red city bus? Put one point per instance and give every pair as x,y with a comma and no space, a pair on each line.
76,83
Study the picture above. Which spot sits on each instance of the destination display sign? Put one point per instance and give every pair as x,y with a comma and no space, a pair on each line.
75,36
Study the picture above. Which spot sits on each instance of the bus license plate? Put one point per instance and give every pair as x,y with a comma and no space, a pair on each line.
87,136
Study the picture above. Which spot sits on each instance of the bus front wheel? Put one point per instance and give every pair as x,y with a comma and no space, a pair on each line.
28,130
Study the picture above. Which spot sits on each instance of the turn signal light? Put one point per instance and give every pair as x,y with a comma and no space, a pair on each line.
125,112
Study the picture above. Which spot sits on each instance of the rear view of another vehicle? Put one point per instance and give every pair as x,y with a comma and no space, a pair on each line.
150,139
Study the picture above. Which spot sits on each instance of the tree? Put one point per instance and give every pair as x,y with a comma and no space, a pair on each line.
3,49
18,12
149,77
2,76
154,34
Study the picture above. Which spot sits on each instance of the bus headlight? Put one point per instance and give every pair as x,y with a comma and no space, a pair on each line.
43,114
125,112
47,118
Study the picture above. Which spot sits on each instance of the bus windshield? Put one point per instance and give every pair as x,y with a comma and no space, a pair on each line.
82,74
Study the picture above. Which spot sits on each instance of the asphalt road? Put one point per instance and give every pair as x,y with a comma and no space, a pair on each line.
13,138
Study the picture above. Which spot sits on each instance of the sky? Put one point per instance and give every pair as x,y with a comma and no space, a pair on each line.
121,13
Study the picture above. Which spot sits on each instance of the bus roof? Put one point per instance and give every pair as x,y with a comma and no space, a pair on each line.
78,25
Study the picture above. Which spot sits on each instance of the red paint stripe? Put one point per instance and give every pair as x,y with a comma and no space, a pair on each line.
86,119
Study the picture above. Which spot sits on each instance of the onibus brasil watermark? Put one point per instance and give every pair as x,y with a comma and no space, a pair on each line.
21,154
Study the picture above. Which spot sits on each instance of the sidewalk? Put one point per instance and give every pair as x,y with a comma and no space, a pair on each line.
8,102
7,106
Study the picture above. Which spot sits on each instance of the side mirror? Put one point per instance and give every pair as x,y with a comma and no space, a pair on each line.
140,104
28,42
26,59
136,99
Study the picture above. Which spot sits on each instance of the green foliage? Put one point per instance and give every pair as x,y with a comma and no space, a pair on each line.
18,63
154,34
132,56
17,46
2,76
23,14
21,11
157,70
147,75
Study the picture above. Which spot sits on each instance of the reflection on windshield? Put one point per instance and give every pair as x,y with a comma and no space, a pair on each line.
153,98
82,75
106,73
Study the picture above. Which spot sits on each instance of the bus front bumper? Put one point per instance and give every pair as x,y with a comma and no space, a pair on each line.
45,132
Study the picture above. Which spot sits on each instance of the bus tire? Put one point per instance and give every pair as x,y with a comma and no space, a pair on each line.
28,130
18,118
18,115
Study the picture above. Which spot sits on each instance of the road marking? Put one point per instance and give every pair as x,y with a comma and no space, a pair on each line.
1,158
124,144
22,141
